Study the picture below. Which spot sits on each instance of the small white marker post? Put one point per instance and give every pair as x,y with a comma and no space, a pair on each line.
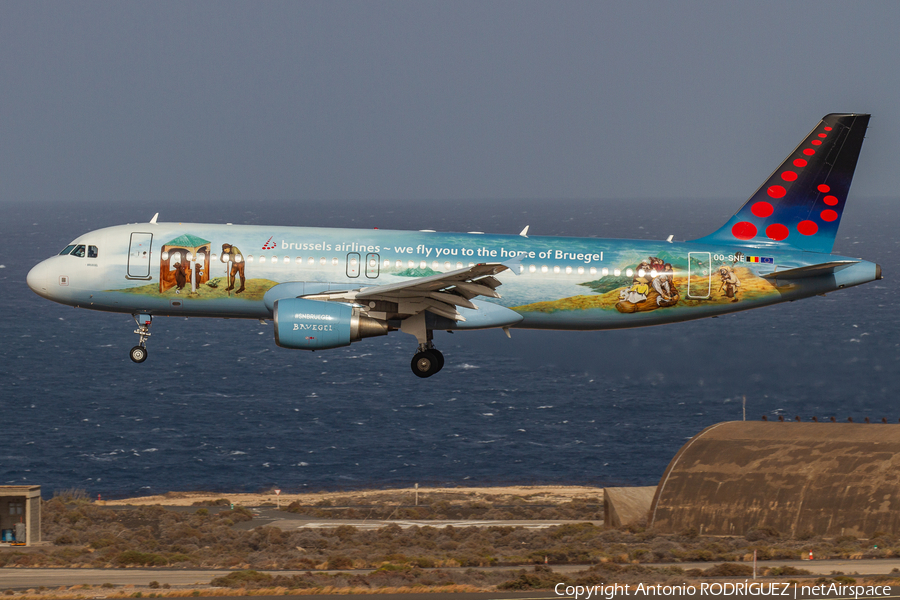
277,499
417,485
754,565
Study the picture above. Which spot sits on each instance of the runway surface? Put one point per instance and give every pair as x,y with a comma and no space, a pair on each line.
27,578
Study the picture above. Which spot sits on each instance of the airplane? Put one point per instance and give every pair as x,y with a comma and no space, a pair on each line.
327,288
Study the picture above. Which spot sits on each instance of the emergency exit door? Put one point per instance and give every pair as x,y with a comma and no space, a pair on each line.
353,264
373,265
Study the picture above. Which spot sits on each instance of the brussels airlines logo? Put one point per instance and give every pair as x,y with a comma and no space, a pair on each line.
269,245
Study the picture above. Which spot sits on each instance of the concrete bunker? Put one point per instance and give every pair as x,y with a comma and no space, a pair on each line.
828,478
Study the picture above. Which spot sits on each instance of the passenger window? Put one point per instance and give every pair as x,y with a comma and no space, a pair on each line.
79,251
67,250
92,251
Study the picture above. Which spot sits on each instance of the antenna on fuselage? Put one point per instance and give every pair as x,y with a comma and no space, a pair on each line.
153,220
670,238
524,232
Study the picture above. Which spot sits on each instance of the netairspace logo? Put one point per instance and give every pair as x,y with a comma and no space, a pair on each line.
746,588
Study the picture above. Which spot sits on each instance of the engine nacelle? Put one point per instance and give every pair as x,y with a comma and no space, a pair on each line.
317,325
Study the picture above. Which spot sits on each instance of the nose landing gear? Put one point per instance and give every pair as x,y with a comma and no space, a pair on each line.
427,361
139,353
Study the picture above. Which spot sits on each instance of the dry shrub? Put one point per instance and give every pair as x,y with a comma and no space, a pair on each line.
786,571
540,578
218,502
243,579
762,533
729,569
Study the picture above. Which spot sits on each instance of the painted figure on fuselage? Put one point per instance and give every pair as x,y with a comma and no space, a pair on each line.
232,254
730,283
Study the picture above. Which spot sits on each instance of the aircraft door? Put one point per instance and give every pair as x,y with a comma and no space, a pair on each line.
699,275
373,265
139,256
353,264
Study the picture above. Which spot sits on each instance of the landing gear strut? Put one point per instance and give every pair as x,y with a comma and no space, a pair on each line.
427,361
139,353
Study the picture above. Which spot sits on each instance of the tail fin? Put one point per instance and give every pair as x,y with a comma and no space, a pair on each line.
801,204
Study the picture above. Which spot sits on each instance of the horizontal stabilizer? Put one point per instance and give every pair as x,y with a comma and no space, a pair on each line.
812,270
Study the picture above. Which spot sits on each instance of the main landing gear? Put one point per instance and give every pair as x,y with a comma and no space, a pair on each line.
427,361
139,353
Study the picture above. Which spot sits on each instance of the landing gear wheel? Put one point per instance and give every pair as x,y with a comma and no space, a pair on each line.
138,354
425,364
438,357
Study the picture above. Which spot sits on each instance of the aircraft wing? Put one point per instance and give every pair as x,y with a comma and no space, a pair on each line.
440,294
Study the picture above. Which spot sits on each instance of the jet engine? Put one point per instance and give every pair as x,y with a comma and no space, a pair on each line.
317,325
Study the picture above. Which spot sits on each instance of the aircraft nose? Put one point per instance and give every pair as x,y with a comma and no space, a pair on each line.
38,278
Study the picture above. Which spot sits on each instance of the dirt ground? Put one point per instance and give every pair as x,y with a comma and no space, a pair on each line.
493,495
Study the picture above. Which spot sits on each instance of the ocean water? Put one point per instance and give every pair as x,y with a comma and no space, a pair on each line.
218,406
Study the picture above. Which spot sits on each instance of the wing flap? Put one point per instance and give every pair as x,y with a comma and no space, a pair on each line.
439,281
470,290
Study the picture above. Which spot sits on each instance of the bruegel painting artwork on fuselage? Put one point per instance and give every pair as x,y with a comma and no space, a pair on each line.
326,288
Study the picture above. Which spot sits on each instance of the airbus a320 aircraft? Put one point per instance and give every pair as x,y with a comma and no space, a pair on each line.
327,288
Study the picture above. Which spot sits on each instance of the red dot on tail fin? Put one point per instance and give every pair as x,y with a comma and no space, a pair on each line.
807,227
744,230
776,191
777,231
762,209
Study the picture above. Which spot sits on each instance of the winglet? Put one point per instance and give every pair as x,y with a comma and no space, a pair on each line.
153,220
514,264
524,232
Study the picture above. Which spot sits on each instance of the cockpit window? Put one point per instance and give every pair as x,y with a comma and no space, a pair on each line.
67,250
79,251
92,251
